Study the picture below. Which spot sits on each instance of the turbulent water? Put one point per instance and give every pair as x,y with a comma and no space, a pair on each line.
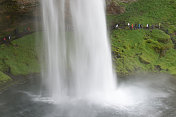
139,96
77,54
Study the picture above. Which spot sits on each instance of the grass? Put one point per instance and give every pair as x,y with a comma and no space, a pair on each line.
133,50
142,50
20,57
4,78
145,50
150,12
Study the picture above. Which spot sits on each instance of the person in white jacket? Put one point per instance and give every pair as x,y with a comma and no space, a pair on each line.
128,24
147,26
117,26
9,37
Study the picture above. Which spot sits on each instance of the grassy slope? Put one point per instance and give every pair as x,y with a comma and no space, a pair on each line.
145,50
19,58
149,12
4,78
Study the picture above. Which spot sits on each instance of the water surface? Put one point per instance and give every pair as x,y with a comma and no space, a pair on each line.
151,96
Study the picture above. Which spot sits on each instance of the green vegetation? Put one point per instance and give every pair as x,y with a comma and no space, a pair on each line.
133,50
145,50
4,78
150,12
19,57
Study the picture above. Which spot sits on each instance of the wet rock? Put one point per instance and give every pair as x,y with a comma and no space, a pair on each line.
158,67
114,8
17,13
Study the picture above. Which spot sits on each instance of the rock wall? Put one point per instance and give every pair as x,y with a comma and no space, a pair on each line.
17,14
115,7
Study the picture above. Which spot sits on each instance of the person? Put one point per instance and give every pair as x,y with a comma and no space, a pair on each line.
152,26
147,26
159,25
16,32
132,26
25,30
128,24
29,29
4,39
9,37
139,26
117,26
135,26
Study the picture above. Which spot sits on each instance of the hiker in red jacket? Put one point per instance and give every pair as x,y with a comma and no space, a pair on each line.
132,26
29,29
4,39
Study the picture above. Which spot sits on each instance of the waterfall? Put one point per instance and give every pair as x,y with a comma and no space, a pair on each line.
77,55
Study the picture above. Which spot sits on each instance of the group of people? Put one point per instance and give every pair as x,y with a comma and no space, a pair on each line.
14,35
140,26
6,38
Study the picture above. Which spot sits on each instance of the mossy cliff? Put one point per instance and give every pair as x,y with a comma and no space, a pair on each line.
19,57
145,50
133,50
17,14
4,78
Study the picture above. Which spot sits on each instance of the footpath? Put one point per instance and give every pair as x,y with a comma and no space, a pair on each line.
15,35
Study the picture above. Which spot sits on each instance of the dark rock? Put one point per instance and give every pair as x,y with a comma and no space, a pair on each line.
158,67
114,8
17,13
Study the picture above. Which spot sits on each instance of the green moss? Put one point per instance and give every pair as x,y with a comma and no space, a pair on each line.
142,50
20,57
168,62
150,12
4,78
145,50
160,36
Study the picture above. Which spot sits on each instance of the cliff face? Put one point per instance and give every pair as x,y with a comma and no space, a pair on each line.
150,50
117,6
17,13
114,8
21,13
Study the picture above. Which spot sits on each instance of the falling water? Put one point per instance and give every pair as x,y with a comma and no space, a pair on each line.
77,54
